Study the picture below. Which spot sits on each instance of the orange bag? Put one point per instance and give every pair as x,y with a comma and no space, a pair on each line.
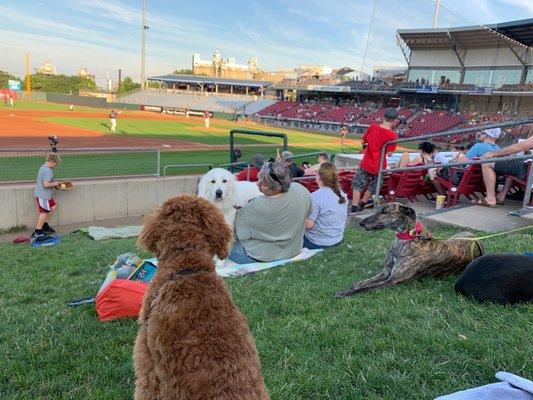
121,298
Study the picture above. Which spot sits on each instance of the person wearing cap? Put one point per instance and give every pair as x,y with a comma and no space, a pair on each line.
286,158
512,167
488,143
366,176
250,173
321,159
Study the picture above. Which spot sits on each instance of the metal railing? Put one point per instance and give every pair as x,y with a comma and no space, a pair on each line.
192,166
21,164
529,181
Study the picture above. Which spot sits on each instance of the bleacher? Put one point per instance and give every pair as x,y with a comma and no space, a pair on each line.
343,114
194,101
433,121
277,108
310,111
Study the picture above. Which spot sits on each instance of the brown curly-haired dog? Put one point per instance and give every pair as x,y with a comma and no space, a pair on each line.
192,343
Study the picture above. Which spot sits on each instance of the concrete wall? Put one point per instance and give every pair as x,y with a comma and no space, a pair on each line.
434,58
93,200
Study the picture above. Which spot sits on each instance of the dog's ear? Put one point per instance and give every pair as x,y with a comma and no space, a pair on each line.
217,231
408,212
150,235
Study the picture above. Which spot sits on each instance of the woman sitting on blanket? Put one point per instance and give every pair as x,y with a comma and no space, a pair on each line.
271,227
327,220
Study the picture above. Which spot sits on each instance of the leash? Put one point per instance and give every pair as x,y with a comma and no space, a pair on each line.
416,233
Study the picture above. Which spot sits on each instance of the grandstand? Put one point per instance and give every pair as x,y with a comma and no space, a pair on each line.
198,93
456,77
165,98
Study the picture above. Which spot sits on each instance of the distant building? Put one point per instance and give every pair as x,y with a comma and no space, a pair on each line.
224,67
389,73
47,68
85,74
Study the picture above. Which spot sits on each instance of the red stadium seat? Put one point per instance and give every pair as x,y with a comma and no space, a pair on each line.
471,182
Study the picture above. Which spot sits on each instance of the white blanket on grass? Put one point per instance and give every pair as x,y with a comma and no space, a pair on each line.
511,387
120,232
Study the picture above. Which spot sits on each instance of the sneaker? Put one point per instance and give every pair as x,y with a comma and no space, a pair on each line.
47,228
37,235
355,209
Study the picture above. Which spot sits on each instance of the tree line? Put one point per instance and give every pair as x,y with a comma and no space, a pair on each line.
67,84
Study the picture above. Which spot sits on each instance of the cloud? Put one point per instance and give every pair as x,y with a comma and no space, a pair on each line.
524,4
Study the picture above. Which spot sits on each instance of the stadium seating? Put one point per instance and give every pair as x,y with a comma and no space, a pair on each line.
277,109
343,114
308,111
470,183
196,101
432,121
377,116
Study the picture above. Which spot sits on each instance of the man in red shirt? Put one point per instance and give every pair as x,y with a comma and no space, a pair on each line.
373,140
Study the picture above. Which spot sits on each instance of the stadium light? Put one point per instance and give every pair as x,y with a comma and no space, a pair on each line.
143,41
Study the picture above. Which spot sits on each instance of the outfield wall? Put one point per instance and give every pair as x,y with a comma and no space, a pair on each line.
92,201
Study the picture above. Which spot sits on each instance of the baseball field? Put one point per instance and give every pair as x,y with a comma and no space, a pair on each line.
181,140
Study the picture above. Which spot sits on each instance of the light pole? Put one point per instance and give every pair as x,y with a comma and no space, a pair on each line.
436,14
143,40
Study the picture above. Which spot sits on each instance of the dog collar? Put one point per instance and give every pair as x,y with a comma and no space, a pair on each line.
412,234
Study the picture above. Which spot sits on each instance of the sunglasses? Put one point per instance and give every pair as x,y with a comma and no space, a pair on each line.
273,174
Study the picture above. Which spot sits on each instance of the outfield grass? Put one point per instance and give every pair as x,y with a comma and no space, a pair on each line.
46,106
129,164
415,341
192,131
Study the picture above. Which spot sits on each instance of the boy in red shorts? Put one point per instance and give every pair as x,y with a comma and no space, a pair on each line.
44,195
373,139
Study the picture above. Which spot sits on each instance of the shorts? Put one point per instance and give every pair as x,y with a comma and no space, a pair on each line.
364,180
516,168
44,206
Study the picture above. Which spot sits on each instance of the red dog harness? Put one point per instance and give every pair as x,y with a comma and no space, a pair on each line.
412,234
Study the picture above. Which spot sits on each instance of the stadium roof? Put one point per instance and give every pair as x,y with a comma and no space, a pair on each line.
520,32
207,80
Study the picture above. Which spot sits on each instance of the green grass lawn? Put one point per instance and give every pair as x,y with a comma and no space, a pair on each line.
129,164
415,341
192,132
45,106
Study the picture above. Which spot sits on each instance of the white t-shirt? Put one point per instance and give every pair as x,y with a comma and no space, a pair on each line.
329,217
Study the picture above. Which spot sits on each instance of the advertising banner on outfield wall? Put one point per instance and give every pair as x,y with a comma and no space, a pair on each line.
325,88
480,91
13,85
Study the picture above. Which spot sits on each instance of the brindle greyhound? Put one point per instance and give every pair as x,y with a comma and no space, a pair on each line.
414,254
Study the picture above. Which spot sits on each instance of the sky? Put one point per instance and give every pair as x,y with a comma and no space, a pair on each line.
105,35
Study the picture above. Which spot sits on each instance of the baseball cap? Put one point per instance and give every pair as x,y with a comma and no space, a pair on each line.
493,133
286,154
391,114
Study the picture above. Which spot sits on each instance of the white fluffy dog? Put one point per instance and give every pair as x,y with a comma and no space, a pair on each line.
220,187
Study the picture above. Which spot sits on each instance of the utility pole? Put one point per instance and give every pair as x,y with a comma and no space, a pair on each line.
119,80
436,14
28,80
143,40
368,37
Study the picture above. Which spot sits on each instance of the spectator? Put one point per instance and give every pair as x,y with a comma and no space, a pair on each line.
513,167
428,153
488,143
321,158
327,220
250,173
286,158
271,227
46,204
373,140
